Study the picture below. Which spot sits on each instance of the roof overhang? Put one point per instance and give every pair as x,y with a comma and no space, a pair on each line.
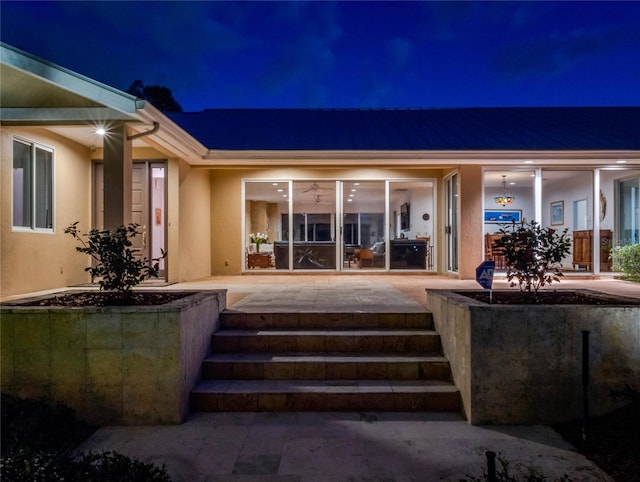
35,92
418,159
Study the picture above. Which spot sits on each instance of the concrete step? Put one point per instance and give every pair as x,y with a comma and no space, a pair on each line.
325,366
330,395
350,341
241,320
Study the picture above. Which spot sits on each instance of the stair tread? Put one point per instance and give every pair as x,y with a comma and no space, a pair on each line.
324,386
329,332
324,356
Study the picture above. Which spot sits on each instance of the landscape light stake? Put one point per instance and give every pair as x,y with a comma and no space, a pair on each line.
491,466
585,385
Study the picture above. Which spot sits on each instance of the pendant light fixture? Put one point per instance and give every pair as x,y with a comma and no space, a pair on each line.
504,200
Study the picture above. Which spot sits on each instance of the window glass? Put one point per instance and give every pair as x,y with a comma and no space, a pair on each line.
44,183
32,186
21,184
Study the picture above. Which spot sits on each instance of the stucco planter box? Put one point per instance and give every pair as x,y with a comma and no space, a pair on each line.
116,365
522,364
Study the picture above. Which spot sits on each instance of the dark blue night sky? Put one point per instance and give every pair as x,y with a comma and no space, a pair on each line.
345,54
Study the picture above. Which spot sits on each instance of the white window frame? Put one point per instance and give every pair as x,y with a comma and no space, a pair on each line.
34,147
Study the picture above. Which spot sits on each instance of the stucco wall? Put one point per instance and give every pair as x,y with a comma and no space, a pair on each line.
193,254
34,261
471,241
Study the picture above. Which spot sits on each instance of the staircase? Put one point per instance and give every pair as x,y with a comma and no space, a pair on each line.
325,362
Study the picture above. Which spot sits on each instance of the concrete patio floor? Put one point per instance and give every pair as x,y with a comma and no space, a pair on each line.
337,446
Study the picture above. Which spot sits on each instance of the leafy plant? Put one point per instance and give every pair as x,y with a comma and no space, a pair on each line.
116,265
38,442
533,255
627,259
502,475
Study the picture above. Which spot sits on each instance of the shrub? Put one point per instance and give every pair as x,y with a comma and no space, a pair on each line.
502,474
627,259
116,266
38,437
533,255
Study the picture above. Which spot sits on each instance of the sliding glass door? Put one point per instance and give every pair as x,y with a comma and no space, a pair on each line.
340,225
363,225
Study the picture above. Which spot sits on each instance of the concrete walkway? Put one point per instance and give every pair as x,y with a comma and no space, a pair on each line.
336,446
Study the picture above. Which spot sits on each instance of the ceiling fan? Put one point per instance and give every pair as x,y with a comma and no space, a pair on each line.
315,187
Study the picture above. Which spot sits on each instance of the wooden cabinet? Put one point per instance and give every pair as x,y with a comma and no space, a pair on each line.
259,260
582,249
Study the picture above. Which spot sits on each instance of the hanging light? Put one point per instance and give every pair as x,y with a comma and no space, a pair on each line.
504,200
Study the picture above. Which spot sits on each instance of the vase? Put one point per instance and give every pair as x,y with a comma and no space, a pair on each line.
258,247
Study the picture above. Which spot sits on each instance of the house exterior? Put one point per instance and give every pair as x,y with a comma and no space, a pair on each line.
335,190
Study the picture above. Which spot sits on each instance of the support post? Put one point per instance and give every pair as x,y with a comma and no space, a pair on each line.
117,176
491,466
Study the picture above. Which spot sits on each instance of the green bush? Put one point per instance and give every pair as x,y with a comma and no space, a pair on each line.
38,438
116,265
533,255
627,259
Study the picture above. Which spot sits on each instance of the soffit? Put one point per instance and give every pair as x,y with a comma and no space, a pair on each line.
22,90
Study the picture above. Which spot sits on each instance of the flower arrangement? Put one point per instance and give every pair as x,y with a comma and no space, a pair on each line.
258,238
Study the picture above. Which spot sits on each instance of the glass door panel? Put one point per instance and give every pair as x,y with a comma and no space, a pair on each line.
266,225
363,225
451,223
629,211
509,195
567,203
411,204
314,225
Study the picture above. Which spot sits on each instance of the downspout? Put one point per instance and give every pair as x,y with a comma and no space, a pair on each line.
156,126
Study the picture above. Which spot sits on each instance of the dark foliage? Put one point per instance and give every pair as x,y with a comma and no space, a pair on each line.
533,255
161,97
38,438
613,441
40,425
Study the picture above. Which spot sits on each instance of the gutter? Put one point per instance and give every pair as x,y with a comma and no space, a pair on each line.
156,126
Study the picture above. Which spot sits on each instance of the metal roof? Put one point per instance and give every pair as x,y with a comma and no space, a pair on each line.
499,128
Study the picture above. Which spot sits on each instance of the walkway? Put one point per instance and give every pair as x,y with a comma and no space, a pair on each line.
336,446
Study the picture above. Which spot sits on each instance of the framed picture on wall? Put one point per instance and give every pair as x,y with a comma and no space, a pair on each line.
405,217
498,216
557,213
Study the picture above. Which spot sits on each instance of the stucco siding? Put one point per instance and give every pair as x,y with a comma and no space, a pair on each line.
194,252
35,261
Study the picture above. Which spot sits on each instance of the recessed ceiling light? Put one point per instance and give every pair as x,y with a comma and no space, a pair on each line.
351,195
621,161
275,184
356,183
528,162
512,183
100,131
353,190
349,200
280,190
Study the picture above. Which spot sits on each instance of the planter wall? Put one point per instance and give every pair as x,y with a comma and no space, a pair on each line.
522,364
120,365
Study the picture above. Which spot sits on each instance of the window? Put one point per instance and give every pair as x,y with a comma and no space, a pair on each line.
32,186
